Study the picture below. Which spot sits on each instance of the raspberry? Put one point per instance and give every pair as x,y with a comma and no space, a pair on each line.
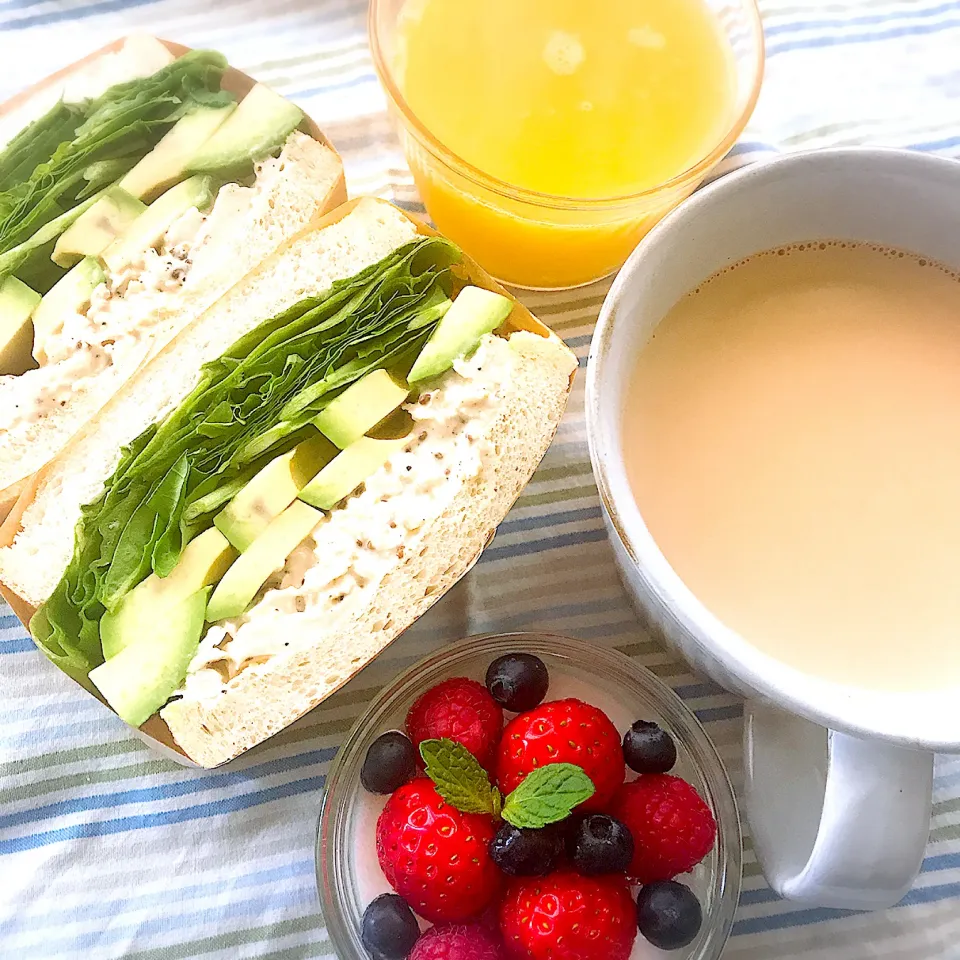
472,941
673,829
568,917
564,731
461,710
434,856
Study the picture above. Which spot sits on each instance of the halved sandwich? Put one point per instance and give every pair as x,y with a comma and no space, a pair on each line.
149,179
289,484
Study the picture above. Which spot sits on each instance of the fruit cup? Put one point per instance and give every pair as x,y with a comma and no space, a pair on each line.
348,874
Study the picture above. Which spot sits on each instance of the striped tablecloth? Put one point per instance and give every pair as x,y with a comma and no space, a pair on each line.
107,851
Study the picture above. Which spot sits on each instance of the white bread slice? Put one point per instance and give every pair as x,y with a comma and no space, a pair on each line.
262,700
33,564
310,184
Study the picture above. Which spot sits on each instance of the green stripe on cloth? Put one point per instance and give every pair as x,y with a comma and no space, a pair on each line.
236,938
57,758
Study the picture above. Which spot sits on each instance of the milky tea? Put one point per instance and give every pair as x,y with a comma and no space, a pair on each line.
792,438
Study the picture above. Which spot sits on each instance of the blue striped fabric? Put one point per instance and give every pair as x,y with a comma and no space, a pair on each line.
107,850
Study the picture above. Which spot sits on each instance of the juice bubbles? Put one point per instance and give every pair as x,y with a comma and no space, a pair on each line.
595,102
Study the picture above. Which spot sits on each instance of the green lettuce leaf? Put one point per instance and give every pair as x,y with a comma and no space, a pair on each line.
102,139
37,141
253,403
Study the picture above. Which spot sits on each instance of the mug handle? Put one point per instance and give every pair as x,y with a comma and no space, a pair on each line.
837,821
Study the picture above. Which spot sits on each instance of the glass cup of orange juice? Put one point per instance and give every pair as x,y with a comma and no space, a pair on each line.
546,137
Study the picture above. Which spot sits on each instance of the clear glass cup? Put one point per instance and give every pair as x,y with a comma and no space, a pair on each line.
541,241
624,688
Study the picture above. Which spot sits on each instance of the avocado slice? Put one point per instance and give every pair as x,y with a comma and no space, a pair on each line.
17,303
348,470
474,313
69,294
259,125
272,490
203,562
143,676
15,257
269,552
166,164
146,231
361,407
89,235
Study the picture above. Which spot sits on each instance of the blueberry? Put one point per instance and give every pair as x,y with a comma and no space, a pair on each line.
668,914
602,845
391,762
526,853
648,748
389,929
518,681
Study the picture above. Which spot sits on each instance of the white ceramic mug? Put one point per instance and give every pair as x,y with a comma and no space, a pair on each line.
838,779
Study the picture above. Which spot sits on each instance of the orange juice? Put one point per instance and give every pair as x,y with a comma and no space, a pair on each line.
571,98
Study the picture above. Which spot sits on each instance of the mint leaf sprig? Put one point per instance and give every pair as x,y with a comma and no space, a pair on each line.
547,795
458,776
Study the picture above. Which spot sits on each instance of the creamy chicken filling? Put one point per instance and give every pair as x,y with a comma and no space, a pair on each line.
342,563
125,310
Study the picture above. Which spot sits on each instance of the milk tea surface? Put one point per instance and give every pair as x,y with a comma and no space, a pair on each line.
792,436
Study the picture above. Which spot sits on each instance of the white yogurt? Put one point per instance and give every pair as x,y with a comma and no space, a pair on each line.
369,880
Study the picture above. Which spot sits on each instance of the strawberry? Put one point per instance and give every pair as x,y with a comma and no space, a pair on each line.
461,710
564,731
434,856
568,917
673,829
472,941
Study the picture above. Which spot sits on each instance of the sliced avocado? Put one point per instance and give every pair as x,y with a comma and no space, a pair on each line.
259,125
153,223
71,293
15,257
268,554
143,676
17,303
361,407
203,562
166,164
474,313
89,235
342,475
272,490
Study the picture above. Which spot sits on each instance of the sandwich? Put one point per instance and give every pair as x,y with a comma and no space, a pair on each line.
290,483
135,188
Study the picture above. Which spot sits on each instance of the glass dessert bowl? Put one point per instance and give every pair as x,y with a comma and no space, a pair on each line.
348,873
